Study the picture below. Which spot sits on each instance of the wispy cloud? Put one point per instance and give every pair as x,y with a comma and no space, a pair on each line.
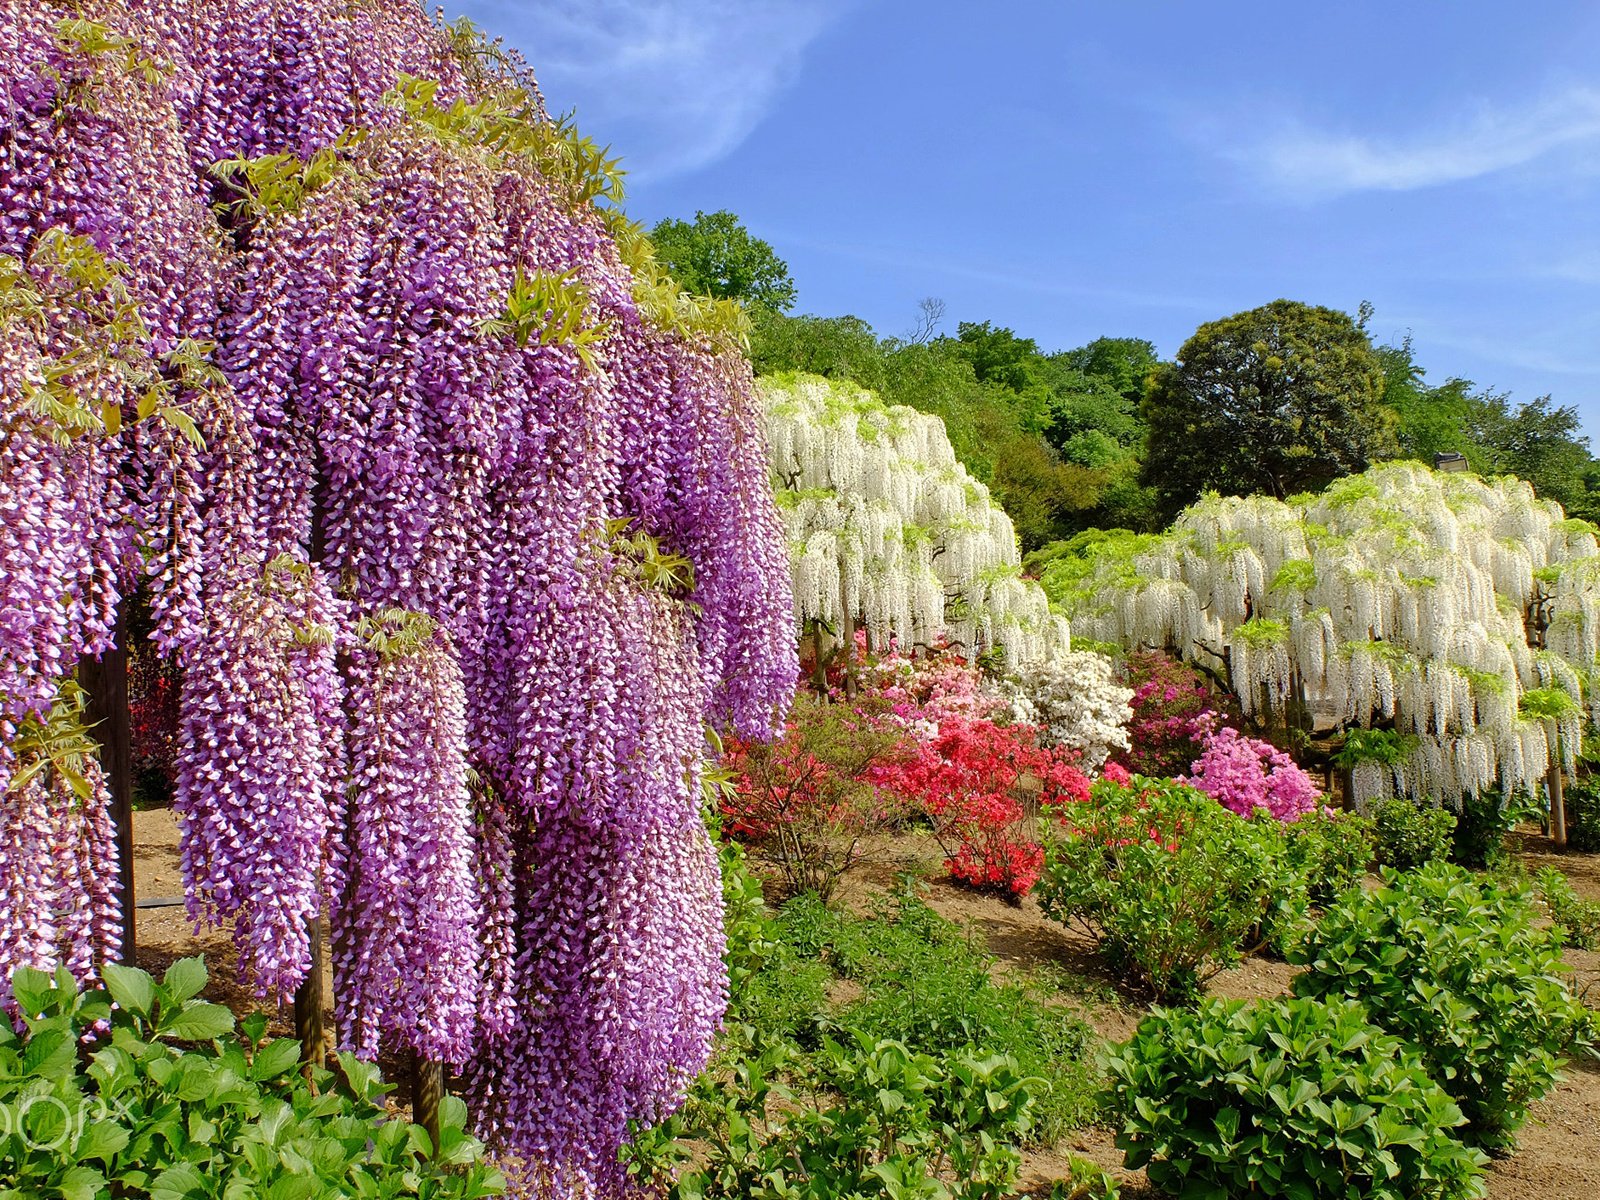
1318,162
677,84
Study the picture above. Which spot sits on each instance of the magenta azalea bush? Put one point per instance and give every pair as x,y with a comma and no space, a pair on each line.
1245,774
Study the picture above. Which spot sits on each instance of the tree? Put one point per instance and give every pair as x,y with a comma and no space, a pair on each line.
1125,364
1458,618
887,528
716,256
453,617
1281,399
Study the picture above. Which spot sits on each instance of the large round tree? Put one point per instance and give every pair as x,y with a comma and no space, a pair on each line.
1282,399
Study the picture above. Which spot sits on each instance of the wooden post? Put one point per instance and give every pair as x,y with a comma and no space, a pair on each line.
308,1023
819,670
105,680
850,654
427,1092
1558,800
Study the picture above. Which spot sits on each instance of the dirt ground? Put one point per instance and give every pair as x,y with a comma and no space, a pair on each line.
1558,1151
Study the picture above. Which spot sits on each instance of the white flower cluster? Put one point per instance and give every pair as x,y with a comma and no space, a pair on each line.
885,524
1399,594
1076,700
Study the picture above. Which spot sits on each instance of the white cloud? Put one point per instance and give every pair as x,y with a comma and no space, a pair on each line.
1317,162
675,84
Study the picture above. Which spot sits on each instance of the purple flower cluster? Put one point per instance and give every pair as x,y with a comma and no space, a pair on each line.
500,817
1245,774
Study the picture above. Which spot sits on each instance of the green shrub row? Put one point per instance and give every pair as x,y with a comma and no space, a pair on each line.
1432,1012
144,1090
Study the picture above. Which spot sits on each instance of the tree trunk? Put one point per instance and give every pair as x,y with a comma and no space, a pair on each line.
105,680
308,1023
1558,800
850,654
427,1091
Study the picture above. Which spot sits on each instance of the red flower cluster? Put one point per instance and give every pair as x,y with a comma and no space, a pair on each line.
969,781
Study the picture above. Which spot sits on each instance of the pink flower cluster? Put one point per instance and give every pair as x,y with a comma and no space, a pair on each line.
1244,774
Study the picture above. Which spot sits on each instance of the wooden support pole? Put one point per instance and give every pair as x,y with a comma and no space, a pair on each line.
850,654
1558,799
105,681
308,1023
427,1093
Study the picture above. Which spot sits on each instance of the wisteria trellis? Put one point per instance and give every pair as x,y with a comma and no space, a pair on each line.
352,378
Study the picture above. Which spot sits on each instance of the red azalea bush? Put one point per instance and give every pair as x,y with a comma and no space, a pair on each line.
809,802
1174,708
967,781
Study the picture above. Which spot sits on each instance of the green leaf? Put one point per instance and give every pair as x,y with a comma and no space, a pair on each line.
132,989
198,1021
275,1058
184,980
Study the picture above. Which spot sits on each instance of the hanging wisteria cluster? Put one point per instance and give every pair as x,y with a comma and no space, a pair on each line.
885,525
319,334
1464,613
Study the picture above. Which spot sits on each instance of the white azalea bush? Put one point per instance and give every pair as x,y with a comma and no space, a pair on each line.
1076,700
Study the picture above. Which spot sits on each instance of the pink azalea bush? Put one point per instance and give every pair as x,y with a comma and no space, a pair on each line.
1244,774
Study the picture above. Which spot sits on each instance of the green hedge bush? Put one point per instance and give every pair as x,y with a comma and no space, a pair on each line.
1170,882
863,1118
1457,967
1295,1098
1411,834
160,1096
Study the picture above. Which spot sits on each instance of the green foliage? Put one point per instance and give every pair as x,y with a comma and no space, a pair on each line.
1457,967
174,1104
1582,798
1084,1180
924,983
862,1118
1294,1098
1386,746
1546,704
1479,837
1411,834
716,256
1170,882
550,309
1578,917
920,1079
72,298
1281,399
1331,851
278,184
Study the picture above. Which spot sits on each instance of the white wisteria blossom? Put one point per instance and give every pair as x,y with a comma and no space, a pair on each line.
1076,700
1434,601
887,528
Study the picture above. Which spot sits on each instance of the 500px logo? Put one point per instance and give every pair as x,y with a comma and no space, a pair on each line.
51,1124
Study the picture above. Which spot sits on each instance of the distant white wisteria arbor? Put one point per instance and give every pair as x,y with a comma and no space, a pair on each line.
1463,612
887,529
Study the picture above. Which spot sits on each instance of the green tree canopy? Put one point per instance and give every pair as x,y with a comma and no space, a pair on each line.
1281,399
716,256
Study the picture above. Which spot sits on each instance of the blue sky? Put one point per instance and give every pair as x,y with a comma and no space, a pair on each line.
1072,169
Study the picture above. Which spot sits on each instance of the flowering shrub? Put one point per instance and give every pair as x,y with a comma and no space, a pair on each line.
1245,774
1174,707
966,780
809,802
1076,702
1168,881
